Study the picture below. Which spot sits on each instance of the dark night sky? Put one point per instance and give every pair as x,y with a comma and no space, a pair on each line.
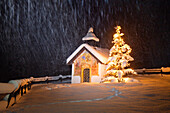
38,36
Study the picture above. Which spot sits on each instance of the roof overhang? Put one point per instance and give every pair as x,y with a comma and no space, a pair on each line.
102,58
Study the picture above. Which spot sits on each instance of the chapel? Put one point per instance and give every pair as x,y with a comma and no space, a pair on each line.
88,61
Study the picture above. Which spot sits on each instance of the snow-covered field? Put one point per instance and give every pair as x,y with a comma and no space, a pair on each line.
150,94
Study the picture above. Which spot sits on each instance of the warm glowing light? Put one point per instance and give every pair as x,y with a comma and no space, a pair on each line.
119,57
115,35
125,79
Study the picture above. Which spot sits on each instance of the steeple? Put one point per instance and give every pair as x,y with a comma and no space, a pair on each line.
90,36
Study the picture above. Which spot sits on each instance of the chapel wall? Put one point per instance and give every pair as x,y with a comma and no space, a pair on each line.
85,60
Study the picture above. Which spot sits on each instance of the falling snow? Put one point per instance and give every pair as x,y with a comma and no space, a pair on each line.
37,37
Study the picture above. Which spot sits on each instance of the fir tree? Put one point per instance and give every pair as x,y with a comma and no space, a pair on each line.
119,57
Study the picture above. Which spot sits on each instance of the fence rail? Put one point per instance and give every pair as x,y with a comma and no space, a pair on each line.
156,70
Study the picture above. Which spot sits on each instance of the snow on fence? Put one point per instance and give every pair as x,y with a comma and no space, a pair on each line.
165,69
155,70
50,78
12,91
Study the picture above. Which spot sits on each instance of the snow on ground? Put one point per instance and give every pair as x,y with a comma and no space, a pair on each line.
150,94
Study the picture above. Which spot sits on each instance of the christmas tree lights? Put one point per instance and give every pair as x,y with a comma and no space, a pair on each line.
119,58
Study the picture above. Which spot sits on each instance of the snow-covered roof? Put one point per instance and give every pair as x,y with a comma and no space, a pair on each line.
90,36
100,54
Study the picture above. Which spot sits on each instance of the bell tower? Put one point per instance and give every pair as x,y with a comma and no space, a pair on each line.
90,38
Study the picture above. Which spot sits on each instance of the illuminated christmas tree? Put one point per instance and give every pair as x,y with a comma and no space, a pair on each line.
119,57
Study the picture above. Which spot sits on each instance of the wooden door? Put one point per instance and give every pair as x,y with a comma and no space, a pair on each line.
86,75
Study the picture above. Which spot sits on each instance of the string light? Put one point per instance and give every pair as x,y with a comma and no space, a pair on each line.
119,57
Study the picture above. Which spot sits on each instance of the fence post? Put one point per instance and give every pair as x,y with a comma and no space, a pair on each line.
143,71
161,73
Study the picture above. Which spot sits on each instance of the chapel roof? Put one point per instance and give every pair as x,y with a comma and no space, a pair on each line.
100,54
